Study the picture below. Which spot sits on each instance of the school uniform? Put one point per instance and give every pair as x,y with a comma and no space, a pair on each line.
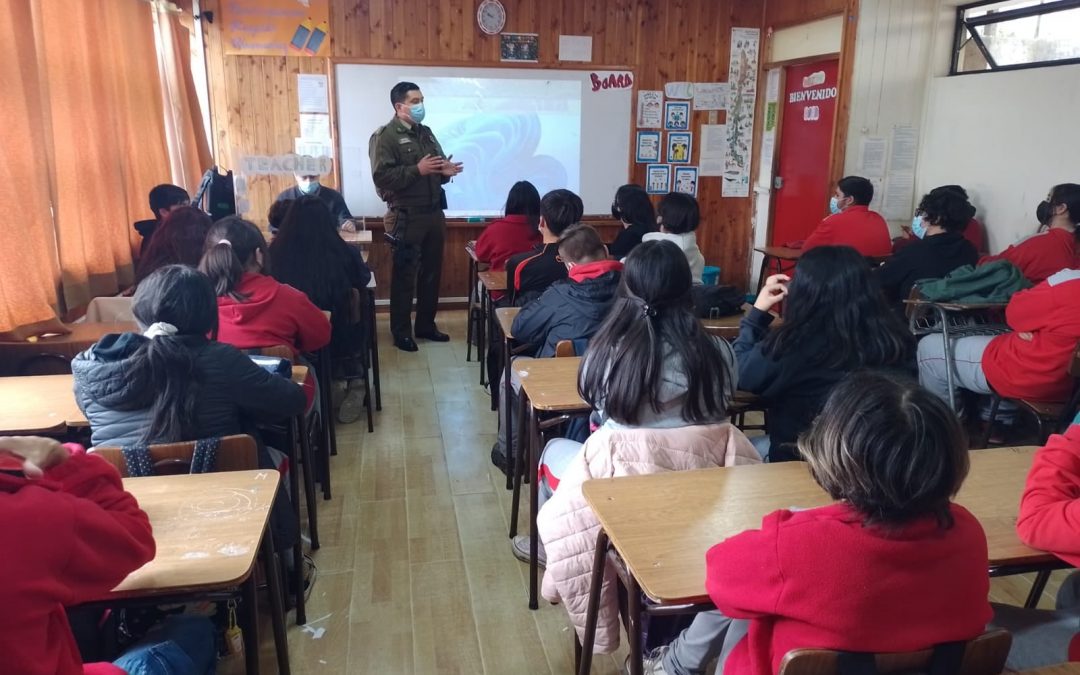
821,578
628,237
77,534
530,273
687,243
503,238
1040,255
929,258
856,226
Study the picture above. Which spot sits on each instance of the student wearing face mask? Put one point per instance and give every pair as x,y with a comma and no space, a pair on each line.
409,169
852,223
1055,247
308,185
940,245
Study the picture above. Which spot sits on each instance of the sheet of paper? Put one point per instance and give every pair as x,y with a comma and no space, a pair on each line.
680,90
575,48
313,148
313,93
314,126
873,156
899,196
772,85
712,147
905,144
710,95
879,194
650,109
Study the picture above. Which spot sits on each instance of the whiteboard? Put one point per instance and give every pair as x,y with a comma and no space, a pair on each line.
550,127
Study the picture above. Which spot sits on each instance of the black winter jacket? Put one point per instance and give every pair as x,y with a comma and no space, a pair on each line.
930,258
568,310
234,393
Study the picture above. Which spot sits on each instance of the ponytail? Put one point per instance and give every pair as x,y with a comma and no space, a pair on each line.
165,365
230,245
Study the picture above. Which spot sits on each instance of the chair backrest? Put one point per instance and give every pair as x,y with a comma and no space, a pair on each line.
235,453
564,348
985,655
110,310
276,351
45,364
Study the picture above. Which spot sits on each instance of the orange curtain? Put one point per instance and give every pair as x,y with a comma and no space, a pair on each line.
28,270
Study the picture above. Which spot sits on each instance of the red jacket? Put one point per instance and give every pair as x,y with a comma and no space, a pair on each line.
274,314
505,237
1040,255
975,233
1036,369
863,591
856,226
68,538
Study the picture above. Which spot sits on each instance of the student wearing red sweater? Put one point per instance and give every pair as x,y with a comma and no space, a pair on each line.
852,223
1028,363
77,535
514,233
254,309
1054,249
893,566
1049,520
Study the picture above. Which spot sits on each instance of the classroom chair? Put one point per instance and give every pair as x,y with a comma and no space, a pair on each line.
1051,417
45,363
985,655
115,309
235,453
744,402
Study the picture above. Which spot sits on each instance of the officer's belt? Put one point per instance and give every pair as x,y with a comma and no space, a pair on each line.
414,209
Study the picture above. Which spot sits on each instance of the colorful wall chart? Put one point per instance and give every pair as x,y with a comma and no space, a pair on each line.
275,27
742,95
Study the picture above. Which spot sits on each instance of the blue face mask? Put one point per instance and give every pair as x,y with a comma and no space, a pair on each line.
416,112
310,187
834,205
917,227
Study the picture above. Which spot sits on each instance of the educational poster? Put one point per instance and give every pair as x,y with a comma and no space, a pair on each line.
678,147
312,91
648,147
710,95
524,47
658,179
742,96
677,116
686,180
275,27
650,109
712,149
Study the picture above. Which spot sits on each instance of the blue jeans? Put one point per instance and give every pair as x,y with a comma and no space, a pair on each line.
179,645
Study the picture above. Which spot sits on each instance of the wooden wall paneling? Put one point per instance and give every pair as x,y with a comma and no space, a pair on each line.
780,13
838,154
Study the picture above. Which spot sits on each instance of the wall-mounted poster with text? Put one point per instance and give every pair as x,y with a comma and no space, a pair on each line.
275,27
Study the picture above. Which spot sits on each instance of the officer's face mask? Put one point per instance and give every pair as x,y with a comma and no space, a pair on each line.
416,112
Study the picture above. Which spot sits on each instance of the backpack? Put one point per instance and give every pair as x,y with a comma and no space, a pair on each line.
712,302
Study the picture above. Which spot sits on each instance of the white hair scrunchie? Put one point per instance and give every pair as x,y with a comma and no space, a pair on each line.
226,242
160,328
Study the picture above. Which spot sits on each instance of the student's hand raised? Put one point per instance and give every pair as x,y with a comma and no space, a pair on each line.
773,292
37,454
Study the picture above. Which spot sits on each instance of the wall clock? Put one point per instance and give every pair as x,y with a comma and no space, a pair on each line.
491,17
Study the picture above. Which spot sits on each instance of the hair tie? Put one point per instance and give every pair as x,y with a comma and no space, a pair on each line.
226,242
160,329
647,311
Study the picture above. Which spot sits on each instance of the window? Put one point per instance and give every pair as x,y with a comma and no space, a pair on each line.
1011,34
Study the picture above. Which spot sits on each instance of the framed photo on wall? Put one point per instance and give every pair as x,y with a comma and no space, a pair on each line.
679,146
686,180
677,115
647,147
658,179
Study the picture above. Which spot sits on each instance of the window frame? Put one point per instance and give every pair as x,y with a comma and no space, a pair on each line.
965,29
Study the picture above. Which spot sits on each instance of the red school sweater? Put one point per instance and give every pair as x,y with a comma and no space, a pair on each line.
1036,369
856,226
1040,255
503,238
821,579
70,537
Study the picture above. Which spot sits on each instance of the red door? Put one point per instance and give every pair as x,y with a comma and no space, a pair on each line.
809,104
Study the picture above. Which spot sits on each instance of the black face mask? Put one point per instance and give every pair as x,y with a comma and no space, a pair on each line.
616,212
1043,212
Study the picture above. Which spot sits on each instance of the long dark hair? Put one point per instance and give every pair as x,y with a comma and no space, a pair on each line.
165,365
178,240
653,313
524,200
632,205
310,255
833,296
230,246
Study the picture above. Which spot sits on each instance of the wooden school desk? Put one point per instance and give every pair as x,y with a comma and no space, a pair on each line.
82,336
549,396
661,552
727,327
1060,669
208,529
492,280
774,256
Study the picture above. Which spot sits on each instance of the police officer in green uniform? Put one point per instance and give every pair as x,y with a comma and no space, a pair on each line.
409,170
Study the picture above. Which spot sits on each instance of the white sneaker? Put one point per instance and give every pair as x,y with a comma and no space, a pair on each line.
652,663
520,547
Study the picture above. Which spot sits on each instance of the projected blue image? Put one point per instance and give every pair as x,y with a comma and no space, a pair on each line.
505,131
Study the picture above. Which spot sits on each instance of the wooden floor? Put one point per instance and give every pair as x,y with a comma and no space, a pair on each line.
415,573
